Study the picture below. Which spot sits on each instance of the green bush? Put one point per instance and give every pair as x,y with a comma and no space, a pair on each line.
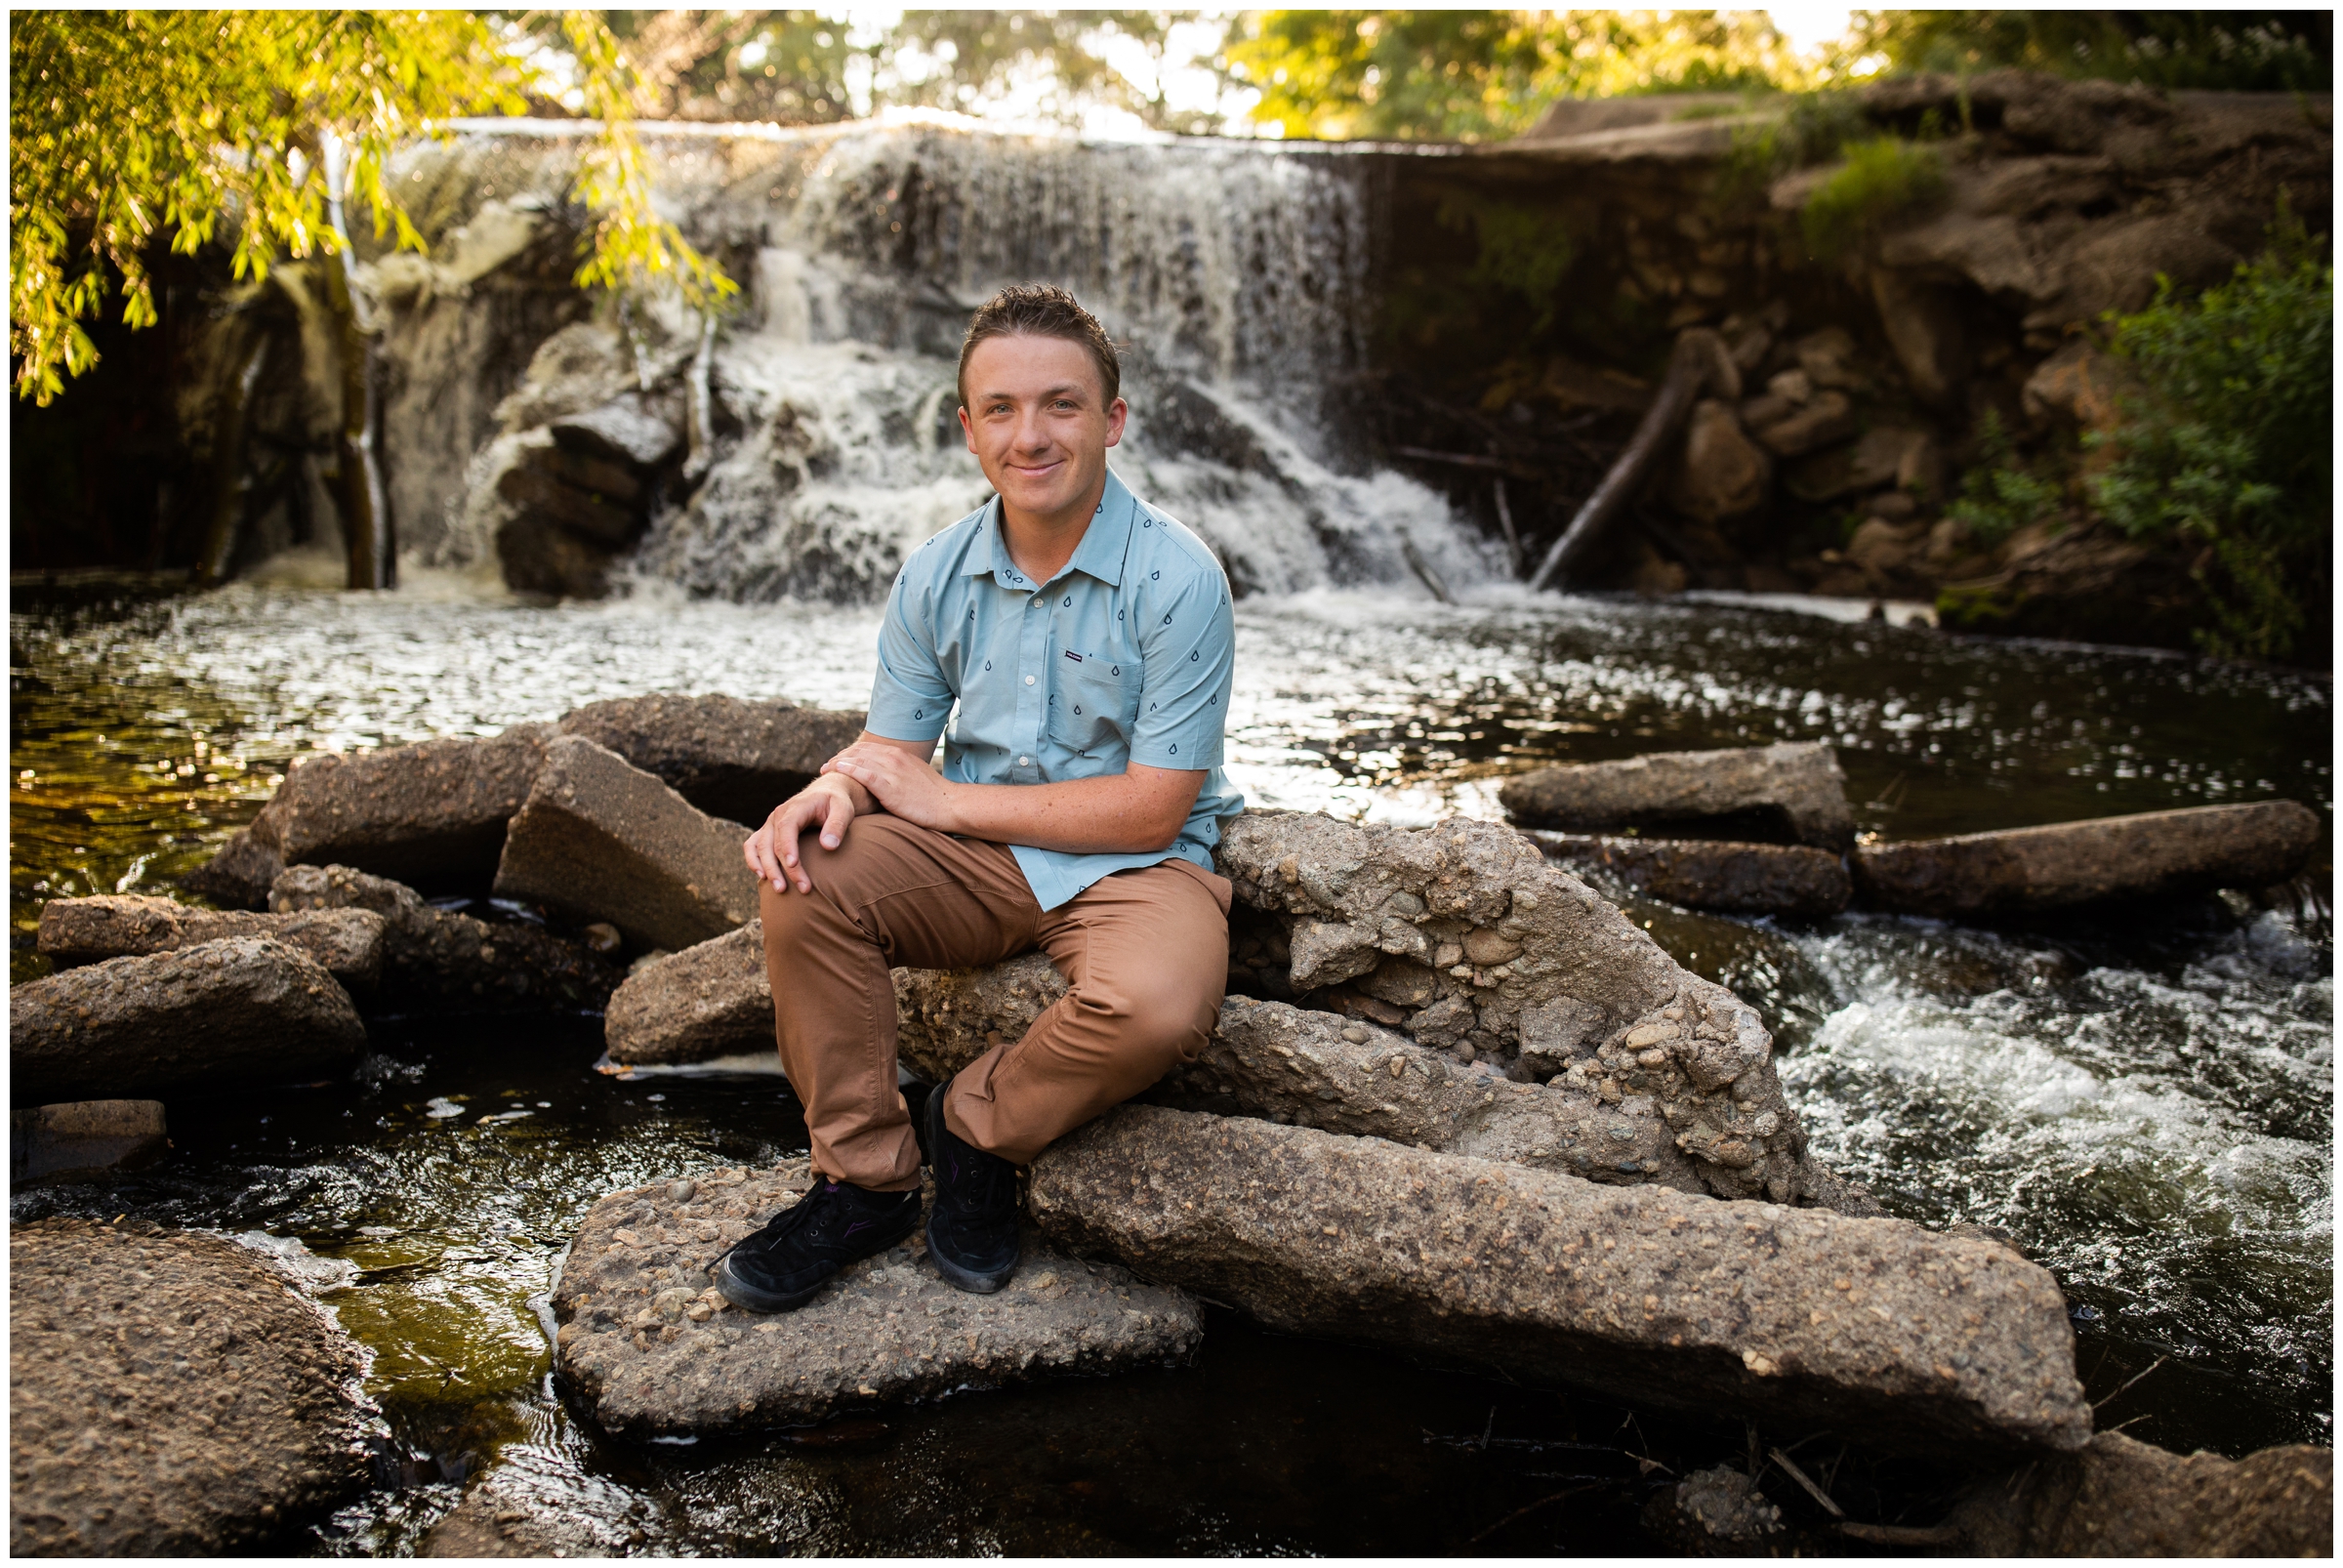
1999,494
2231,445
1526,249
1811,127
1882,178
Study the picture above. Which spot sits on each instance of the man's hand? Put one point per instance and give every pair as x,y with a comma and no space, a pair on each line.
900,781
771,851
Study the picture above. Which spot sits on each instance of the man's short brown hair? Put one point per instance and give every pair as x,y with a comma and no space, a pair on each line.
1042,311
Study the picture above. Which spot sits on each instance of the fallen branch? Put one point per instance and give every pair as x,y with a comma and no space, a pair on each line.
1790,1470
1571,1492
1691,366
1900,1535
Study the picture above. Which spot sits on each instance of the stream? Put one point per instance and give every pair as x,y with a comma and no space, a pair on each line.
2143,1102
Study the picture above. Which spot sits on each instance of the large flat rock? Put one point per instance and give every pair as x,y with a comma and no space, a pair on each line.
170,1394
242,1009
1874,1328
731,758
431,814
1791,794
347,942
651,1348
600,839
2153,854
1740,878
85,1140
2121,1498
440,961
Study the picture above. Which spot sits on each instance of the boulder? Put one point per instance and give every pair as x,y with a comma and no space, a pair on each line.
1876,1329
2081,387
1792,793
621,430
731,758
1793,431
651,1348
431,814
509,1514
439,961
231,1012
2088,583
1723,473
710,1000
1886,455
598,839
2122,1497
1747,879
170,1394
84,1139
2153,854
347,942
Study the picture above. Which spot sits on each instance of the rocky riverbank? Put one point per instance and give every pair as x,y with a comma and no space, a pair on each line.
1456,1103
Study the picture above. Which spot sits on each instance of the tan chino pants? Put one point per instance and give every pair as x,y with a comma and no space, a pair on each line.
1144,953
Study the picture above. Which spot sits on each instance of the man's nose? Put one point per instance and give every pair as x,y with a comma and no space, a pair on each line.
1032,434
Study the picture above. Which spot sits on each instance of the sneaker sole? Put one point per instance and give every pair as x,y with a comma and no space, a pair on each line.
741,1294
967,1279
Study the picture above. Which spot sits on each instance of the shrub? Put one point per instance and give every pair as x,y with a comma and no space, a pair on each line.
2230,447
1882,177
1999,495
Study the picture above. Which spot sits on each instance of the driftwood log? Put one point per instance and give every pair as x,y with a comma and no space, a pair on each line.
1698,359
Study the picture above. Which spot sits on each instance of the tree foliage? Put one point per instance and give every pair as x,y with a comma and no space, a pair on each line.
2232,446
131,128
1473,76
2235,50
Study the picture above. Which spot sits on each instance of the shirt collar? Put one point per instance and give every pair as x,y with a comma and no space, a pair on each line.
1101,554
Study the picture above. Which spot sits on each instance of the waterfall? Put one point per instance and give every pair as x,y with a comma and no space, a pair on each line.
1237,278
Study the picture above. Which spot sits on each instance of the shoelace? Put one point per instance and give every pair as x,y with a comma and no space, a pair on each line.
782,1223
992,1173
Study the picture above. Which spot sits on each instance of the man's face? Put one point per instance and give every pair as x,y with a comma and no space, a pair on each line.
1038,420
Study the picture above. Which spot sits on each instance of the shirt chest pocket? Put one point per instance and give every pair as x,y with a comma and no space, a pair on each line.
1094,703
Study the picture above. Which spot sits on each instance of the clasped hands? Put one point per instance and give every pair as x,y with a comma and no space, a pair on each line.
867,777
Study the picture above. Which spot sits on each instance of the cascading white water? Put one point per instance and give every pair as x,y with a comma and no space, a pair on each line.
1237,277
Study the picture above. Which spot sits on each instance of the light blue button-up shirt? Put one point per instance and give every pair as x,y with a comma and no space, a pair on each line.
1126,655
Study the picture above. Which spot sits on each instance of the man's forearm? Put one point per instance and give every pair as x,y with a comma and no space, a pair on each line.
1116,814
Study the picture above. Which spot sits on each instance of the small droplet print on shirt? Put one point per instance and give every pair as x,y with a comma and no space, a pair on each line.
1155,577
1166,617
1069,600
1195,655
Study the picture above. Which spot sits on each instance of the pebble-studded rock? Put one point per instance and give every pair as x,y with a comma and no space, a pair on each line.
170,1394
652,1348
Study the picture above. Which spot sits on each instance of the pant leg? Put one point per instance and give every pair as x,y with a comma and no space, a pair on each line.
891,894
1146,954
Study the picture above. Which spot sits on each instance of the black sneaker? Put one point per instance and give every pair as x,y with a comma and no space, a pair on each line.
972,1229
800,1249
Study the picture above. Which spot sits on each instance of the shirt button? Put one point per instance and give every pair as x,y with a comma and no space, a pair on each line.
1024,762
1029,680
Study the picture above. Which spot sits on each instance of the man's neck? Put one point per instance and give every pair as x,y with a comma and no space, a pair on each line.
1041,543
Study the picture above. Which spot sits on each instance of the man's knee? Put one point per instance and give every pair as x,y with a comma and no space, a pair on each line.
1163,1016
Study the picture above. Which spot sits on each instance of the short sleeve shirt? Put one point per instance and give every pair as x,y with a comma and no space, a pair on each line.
1126,655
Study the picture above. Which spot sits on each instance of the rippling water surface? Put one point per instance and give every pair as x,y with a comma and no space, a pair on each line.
2145,1105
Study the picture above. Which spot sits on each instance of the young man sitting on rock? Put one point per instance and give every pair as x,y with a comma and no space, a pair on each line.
1089,643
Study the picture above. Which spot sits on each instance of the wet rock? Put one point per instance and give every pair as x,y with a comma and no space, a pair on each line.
2087,583
1874,1327
650,1348
710,1000
347,942
170,1394
1924,328
1791,794
731,758
440,961
2078,386
242,1009
1724,1504
516,1511
2121,1498
624,429
1723,473
432,815
946,1018
598,839
84,1139
2153,854
1750,879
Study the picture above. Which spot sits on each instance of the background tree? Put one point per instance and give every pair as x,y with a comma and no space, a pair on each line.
2234,50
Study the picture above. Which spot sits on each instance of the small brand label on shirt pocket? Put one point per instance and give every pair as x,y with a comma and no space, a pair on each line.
1095,700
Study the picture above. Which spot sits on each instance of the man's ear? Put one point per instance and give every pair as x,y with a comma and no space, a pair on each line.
967,430
1116,413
